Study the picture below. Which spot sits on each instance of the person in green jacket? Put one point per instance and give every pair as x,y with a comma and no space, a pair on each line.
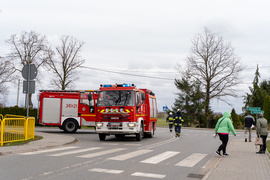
222,129
262,130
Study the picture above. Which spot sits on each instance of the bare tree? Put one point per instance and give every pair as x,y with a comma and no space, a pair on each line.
6,75
213,63
28,48
66,62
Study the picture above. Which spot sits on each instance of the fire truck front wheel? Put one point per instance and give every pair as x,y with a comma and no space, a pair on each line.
139,135
70,126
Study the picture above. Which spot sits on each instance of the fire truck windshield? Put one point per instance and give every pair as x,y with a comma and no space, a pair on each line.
116,98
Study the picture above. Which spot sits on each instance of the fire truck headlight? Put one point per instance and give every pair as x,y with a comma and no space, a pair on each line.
107,110
98,125
117,110
112,110
121,110
131,124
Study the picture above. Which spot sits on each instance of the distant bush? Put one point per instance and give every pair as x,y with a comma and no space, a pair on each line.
19,111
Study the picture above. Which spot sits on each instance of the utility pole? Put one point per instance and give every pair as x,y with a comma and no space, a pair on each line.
18,92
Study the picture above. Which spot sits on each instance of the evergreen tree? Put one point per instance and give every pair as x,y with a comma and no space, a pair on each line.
235,119
256,98
189,100
266,108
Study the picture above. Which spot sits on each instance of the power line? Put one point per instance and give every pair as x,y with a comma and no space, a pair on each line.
117,72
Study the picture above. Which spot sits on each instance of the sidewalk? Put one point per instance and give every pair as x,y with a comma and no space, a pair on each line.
242,163
48,140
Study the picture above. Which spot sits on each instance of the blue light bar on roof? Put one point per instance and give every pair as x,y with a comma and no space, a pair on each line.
107,85
126,85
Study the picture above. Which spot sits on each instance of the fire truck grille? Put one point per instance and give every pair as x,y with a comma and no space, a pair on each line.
114,118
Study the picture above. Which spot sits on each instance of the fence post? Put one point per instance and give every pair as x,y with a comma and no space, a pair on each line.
2,131
26,128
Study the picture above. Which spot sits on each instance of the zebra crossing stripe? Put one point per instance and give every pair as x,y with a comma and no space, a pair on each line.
76,151
130,155
49,150
149,175
191,160
160,157
102,153
110,171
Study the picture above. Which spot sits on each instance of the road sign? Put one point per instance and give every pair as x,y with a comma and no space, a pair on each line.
256,112
31,87
33,71
253,108
165,108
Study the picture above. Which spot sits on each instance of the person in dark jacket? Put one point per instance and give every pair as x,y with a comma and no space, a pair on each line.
178,121
249,121
170,119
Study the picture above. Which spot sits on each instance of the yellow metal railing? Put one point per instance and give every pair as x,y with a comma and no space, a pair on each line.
16,128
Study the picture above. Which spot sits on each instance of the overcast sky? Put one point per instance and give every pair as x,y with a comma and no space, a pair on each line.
142,37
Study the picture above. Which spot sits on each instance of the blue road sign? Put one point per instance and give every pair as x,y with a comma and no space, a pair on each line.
165,108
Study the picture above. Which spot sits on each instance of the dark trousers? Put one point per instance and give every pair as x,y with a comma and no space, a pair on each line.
224,139
263,147
177,130
170,127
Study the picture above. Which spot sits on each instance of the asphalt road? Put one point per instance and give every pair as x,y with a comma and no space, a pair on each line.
161,157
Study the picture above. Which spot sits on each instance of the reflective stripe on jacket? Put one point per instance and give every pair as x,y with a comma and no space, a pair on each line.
170,119
178,121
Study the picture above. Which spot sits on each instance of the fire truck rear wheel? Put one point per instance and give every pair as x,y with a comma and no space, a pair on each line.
139,135
102,137
70,126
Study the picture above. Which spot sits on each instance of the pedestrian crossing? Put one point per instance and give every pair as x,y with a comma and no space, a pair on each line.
95,152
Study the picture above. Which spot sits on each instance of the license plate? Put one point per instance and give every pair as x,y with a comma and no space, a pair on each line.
114,117
114,124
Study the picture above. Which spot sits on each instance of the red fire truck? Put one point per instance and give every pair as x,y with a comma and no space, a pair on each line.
123,109
67,109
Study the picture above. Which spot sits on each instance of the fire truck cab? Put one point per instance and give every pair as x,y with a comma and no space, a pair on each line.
123,109
69,110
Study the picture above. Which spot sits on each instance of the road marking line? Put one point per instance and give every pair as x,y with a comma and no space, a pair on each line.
149,175
110,171
102,153
130,155
76,151
160,143
191,160
49,150
160,157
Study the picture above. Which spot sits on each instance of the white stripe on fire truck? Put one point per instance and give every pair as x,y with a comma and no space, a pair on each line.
130,155
160,157
76,151
102,153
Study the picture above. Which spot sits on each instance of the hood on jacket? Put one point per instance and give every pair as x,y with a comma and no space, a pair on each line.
226,114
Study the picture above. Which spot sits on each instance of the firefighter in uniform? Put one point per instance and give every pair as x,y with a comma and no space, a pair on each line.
178,121
170,119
